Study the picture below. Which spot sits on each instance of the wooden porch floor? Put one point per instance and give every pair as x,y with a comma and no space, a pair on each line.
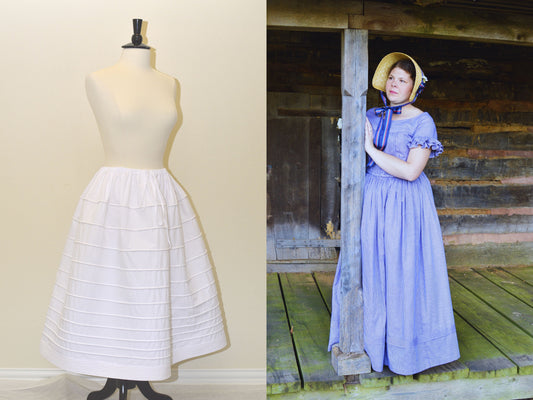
494,320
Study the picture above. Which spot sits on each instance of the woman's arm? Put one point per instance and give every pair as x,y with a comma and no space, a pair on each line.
408,170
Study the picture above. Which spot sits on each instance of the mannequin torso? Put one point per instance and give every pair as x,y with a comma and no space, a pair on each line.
135,109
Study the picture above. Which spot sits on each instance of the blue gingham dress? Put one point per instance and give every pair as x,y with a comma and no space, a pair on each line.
408,315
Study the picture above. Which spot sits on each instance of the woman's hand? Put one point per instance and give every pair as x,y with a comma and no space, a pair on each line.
408,170
369,137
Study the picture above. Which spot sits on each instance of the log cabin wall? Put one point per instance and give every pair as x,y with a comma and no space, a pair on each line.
481,98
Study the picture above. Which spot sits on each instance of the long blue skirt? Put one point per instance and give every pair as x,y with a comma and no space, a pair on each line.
408,315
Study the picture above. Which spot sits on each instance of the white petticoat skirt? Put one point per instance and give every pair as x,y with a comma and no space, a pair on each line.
135,291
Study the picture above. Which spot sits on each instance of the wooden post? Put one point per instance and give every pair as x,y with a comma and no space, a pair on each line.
349,357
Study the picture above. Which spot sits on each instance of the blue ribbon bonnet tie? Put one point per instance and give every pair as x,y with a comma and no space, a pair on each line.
382,132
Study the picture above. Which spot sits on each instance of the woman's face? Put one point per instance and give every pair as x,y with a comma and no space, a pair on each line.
399,86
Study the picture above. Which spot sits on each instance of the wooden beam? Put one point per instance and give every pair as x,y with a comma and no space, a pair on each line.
349,357
448,22
441,21
317,14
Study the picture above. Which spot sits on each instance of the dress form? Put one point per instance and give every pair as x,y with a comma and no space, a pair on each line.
133,91
132,87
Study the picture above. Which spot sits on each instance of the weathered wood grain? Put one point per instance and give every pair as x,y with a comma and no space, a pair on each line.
491,104
391,18
307,112
330,196
512,387
516,344
445,372
504,139
377,379
309,320
526,274
487,238
482,196
324,281
354,67
510,283
282,369
295,243
479,355
383,379
465,118
313,194
453,167
485,223
442,22
302,266
282,13
489,254
288,180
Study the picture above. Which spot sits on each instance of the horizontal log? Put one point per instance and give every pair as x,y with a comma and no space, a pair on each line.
482,196
308,267
480,238
457,138
451,166
379,17
312,14
486,211
497,106
309,112
467,118
295,243
493,128
475,224
444,21
489,254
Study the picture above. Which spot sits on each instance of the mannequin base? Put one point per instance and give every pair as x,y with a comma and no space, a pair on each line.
123,386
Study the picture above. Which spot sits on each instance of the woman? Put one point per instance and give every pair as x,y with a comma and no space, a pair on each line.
408,316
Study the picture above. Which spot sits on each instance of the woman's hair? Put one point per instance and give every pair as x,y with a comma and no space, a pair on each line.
407,65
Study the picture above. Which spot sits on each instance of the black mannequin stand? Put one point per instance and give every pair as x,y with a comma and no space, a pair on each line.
123,386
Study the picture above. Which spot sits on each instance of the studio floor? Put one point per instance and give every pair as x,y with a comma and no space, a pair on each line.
70,387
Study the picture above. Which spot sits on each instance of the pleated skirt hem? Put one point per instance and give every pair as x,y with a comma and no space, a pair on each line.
135,291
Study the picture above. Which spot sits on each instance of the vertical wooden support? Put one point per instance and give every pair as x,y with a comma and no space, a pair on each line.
349,357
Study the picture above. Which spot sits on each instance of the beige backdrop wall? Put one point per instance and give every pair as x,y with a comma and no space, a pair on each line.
50,149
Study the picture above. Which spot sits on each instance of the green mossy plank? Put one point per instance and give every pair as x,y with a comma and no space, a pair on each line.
502,333
282,370
402,379
444,372
504,388
479,355
510,283
324,281
526,274
382,379
309,320
506,304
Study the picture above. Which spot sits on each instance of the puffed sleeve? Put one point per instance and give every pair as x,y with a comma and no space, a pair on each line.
425,135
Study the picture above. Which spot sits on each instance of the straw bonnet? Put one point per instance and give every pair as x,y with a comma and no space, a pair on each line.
382,74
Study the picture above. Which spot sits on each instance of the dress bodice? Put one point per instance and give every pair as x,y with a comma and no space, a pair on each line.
406,134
